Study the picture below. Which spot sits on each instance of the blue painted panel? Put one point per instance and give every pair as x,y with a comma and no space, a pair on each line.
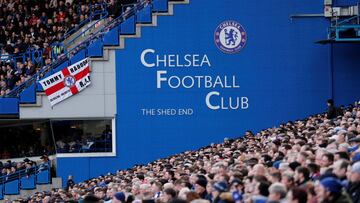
28,96
346,74
96,48
345,2
60,67
78,57
160,5
111,38
43,177
28,183
67,167
128,26
144,15
284,82
9,106
283,73
12,188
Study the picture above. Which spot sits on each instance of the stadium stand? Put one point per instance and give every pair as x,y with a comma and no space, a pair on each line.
311,160
42,25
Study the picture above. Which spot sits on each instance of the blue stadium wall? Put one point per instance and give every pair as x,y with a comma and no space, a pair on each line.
282,72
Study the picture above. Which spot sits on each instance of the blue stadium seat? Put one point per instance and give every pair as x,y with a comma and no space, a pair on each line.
28,183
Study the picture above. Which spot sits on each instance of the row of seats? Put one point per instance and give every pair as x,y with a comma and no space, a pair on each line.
26,179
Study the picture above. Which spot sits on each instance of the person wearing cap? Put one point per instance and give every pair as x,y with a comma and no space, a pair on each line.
219,188
200,187
237,188
354,144
354,182
330,190
100,193
118,197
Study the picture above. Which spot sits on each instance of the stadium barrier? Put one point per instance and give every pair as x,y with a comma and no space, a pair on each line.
25,179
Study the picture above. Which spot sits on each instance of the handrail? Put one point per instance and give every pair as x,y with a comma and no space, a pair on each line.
59,47
68,53
32,53
24,172
82,23
345,20
84,31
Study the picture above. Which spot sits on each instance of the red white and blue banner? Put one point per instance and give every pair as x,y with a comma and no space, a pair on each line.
67,82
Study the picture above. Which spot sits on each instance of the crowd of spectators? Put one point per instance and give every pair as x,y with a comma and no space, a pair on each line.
28,25
10,170
33,25
313,160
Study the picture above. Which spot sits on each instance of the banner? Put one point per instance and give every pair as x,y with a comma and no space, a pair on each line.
67,82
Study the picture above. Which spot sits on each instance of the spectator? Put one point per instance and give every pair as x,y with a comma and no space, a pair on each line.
354,182
297,195
330,190
169,195
302,176
277,193
331,112
70,182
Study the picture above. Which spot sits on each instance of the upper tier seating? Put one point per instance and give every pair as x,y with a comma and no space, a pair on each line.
29,30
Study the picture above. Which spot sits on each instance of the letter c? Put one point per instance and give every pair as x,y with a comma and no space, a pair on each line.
142,58
207,100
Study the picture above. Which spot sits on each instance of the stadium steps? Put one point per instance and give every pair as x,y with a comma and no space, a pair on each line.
56,183
155,13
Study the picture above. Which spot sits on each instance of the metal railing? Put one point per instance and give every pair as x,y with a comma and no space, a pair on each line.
94,15
35,55
71,52
18,175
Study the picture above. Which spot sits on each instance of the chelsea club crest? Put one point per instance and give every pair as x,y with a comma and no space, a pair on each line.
69,81
230,37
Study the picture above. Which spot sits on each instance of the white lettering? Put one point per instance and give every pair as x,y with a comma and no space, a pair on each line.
142,58
207,100
159,78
